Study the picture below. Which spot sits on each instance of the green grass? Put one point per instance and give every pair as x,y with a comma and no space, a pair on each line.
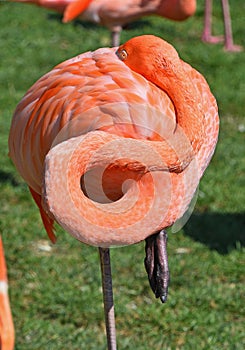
56,295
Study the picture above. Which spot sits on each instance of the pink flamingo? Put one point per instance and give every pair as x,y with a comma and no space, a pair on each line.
207,32
117,13
112,145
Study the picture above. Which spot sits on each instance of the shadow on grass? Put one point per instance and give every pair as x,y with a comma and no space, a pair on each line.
77,22
87,24
220,232
54,17
6,177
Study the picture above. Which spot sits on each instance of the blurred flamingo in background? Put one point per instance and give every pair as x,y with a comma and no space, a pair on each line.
207,31
112,145
117,13
6,322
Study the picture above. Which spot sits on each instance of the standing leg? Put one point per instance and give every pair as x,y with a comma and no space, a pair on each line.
108,298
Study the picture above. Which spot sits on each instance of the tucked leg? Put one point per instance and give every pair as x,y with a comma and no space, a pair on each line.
156,264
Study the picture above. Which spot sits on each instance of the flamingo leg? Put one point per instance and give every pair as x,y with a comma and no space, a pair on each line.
156,264
108,298
115,36
229,45
207,31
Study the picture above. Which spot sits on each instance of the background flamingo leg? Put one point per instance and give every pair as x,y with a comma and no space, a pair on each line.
229,45
115,36
207,31
108,298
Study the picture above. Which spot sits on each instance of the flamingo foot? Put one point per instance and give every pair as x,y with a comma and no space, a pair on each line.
211,39
233,48
156,264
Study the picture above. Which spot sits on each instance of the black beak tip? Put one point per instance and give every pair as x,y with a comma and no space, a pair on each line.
163,298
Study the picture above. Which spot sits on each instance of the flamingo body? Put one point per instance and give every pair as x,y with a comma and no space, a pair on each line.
98,146
119,12
103,11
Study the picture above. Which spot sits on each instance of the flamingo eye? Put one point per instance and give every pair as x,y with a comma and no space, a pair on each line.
122,54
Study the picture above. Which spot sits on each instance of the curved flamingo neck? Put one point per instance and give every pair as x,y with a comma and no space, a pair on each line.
180,89
159,63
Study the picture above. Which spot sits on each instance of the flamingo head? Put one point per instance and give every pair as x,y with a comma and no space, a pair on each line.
150,56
